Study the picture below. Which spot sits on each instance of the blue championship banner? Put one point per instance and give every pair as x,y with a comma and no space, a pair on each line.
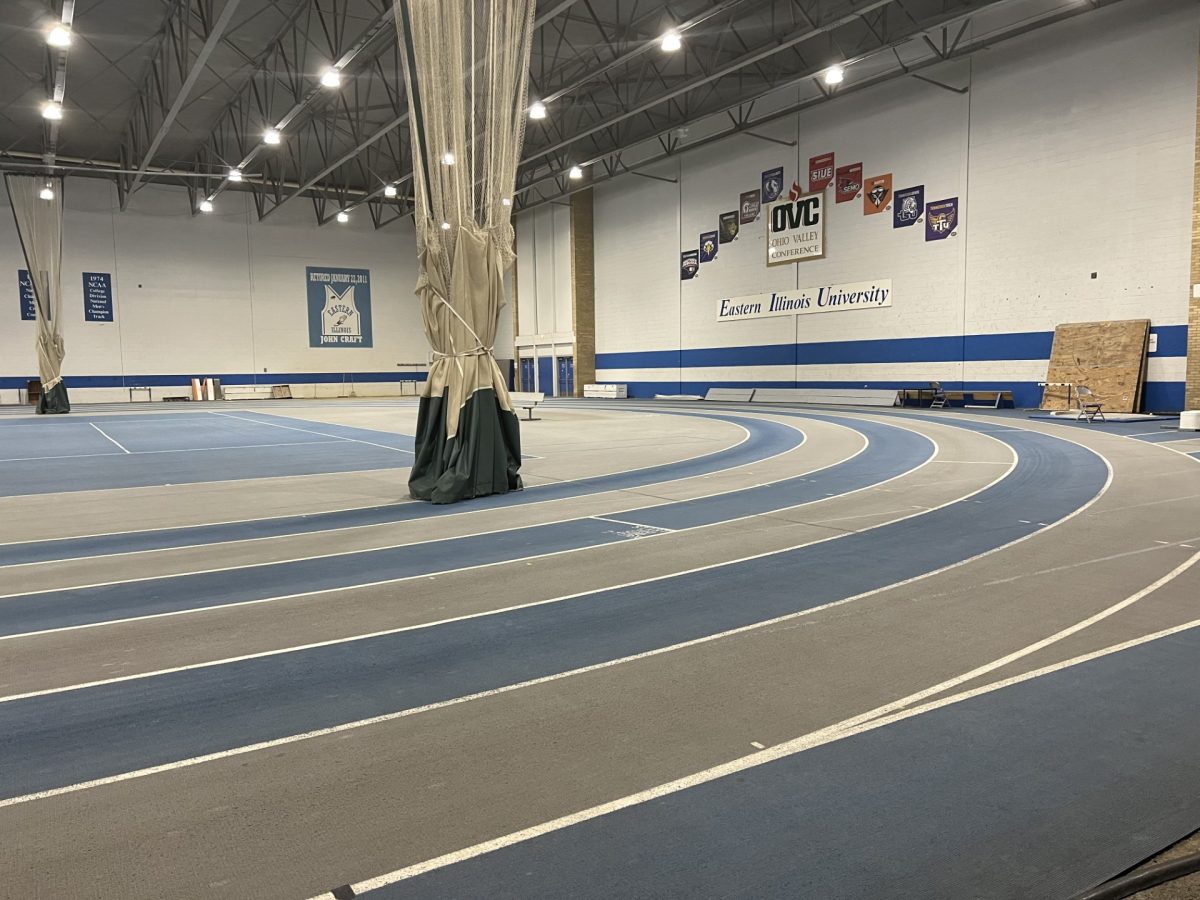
97,297
339,307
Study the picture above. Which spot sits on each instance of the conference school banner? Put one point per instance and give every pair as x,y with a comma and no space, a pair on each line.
339,307
827,298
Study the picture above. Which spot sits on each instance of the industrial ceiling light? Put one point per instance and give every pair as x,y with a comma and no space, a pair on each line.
271,136
504,201
59,36
835,74
331,77
575,174
343,217
671,41
47,193
206,206
537,110
235,174
445,226
52,110
389,190
447,158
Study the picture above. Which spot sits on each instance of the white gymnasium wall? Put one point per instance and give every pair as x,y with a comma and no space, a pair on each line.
544,272
1072,153
219,294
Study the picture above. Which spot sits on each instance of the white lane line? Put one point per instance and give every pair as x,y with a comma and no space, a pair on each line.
839,731
526,559
310,431
401,714
62,456
465,512
637,525
110,438
565,517
467,616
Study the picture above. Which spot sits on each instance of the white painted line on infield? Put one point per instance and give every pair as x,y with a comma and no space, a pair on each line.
110,438
310,431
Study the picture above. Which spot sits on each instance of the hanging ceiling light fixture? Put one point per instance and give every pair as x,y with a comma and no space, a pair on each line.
389,190
206,206
271,136
331,77
235,174
445,226
537,110
447,158
671,41
834,75
47,193
59,36
52,110
343,217
575,174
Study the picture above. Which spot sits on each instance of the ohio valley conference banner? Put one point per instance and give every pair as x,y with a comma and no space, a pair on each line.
827,298
339,307
796,229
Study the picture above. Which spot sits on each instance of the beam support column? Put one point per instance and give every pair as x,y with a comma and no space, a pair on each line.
583,289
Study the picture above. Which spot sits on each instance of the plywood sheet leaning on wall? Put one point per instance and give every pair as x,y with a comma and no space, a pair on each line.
1108,357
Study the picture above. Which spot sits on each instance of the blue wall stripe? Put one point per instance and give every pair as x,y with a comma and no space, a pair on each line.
1172,341
125,381
1160,396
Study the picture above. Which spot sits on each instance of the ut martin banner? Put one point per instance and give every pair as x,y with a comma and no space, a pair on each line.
829,298
339,307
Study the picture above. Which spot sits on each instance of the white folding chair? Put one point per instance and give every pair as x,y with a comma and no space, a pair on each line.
1090,407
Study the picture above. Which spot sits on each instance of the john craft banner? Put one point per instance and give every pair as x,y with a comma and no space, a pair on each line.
339,307
907,206
877,194
848,182
941,219
708,246
729,226
689,264
772,184
749,205
820,172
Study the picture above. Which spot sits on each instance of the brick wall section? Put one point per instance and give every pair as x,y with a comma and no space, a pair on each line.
583,289
1193,357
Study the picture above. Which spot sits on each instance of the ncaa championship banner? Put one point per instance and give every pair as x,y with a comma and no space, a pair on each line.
829,298
796,229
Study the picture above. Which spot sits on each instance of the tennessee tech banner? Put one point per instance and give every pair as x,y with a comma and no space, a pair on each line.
908,204
729,226
848,182
877,194
820,172
941,219
796,229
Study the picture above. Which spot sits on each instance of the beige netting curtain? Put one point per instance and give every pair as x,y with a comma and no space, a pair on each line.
37,205
466,69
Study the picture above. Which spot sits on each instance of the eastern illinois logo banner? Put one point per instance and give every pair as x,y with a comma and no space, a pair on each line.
708,246
339,307
749,205
941,219
689,264
908,204
772,185
820,172
796,229
848,182
729,226
877,194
